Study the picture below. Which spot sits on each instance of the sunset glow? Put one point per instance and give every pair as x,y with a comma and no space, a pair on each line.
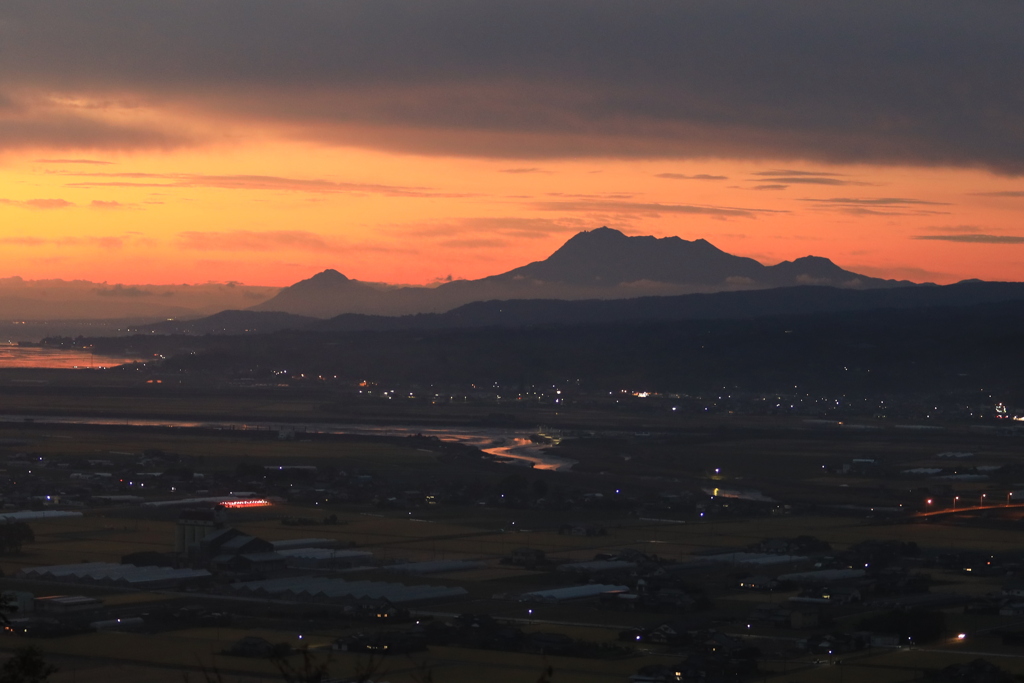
138,164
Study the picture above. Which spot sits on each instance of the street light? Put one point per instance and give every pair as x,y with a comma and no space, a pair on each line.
1008,497
955,499
982,503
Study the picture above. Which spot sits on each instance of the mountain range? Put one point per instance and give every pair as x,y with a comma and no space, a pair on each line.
595,264
615,270
519,313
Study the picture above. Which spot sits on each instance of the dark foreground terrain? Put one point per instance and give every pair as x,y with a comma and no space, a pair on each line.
662,546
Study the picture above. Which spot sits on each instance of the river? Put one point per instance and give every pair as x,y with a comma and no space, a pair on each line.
508,445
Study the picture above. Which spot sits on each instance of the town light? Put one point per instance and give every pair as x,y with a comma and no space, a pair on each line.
247,503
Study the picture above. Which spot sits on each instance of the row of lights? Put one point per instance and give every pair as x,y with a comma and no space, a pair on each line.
981,501
248,503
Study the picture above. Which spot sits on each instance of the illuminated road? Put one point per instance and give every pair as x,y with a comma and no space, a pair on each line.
970,508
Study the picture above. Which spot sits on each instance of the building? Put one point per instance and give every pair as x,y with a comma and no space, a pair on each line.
231,542
194,526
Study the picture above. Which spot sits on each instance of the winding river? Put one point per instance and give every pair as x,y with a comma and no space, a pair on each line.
508,446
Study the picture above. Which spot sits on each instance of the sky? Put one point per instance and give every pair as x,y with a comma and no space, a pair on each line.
251,141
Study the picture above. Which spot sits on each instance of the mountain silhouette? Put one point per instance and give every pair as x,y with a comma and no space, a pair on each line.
595,264
528,313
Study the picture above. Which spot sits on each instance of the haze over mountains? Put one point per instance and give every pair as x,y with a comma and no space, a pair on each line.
84,300
600,275
596,264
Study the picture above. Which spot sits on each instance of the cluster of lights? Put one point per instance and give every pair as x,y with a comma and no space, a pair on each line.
248,503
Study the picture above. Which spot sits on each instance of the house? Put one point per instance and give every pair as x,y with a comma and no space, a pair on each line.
758,582
250,563
580,529
1012,609
884,640
804,618
549,643
719,642
66,604
1015,588
231,541
671,633
251,646
528,557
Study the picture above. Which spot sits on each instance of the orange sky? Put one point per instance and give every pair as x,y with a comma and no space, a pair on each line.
264,142
273,211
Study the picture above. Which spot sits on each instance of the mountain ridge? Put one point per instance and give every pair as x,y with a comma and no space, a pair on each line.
523,313
593,264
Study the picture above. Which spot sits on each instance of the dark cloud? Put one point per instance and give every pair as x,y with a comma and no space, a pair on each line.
974,238
683,176
1005,193
35,127
926,83
770,187
532,169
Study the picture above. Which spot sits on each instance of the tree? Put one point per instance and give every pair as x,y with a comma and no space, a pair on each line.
13,535
26,666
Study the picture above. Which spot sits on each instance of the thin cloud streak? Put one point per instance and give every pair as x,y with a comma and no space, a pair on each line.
273,240
683,176
878,206
642,207
30,241
253,182
94,162
809,180
974,238
503,226
250,240
38,203
795,172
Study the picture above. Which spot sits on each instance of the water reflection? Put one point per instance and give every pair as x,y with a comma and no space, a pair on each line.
510,446
14,356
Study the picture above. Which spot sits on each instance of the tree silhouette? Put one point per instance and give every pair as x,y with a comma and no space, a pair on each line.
26,666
